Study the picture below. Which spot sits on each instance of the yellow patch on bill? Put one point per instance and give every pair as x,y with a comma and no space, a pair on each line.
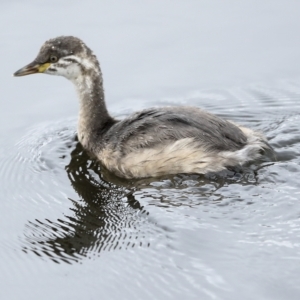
42,68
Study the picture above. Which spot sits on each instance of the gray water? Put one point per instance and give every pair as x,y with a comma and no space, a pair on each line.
71,231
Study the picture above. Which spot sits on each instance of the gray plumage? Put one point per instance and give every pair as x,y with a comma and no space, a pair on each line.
152,142
166,124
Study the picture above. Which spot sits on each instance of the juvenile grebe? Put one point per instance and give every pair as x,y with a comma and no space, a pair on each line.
152,142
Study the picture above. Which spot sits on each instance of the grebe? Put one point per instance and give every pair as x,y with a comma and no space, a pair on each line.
151,142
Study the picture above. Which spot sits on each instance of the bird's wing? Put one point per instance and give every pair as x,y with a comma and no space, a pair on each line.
156,126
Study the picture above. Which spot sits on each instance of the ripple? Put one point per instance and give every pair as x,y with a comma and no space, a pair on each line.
100,216
167,230
41,146
109,216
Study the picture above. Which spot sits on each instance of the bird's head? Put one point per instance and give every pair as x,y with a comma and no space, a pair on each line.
67,56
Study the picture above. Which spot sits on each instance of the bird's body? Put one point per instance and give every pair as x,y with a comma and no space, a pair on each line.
152,142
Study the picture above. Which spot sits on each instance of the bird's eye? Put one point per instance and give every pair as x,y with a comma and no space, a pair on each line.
53,58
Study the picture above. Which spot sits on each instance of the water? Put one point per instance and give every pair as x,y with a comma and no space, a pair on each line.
72,231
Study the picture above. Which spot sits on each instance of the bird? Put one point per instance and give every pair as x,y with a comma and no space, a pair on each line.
152,142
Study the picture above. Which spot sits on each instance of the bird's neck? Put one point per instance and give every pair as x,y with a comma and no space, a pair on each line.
94,118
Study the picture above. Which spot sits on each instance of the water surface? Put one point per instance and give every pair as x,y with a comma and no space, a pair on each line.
71,230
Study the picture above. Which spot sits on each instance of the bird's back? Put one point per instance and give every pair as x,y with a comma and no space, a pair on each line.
153,127
173,140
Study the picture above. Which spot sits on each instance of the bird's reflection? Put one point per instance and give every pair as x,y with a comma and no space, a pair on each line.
108,217
104,218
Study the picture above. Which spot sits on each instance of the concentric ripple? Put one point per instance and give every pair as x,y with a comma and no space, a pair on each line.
193,231
99,215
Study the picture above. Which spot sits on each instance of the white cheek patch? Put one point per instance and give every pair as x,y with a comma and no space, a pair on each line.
71,72
71,68
66,66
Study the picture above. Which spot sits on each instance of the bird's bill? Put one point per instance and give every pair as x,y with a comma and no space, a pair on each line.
32,68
